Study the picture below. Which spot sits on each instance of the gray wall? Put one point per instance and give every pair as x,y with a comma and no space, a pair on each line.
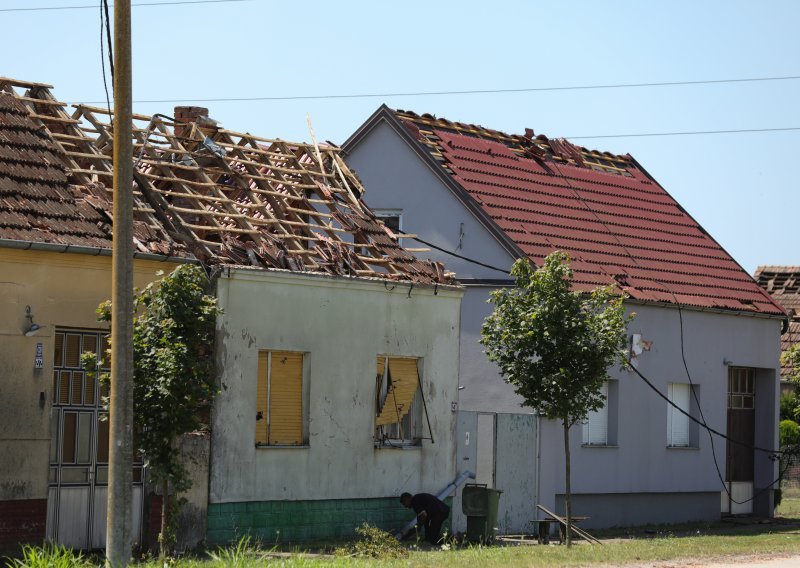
343,325
395,178
640,464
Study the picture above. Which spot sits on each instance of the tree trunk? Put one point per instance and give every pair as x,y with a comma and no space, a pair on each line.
163,545
568,493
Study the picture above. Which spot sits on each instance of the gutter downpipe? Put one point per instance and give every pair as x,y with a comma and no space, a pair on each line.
443,494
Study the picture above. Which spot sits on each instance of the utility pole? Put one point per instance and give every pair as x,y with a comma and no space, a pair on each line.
120,456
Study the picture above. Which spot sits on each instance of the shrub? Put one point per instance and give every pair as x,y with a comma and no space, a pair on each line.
790,433
789,406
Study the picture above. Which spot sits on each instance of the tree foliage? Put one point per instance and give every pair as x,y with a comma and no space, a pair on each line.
174,384
553,344
173,338
789,406
791,358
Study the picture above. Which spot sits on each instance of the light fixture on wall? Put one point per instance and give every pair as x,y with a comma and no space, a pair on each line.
32,327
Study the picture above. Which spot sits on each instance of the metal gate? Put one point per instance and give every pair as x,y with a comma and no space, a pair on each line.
502,450
78,477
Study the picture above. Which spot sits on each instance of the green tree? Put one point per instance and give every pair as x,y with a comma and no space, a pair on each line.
555,345
174,384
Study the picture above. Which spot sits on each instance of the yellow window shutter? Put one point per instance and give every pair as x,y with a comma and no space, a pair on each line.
405,380
381,365
286,399
261,398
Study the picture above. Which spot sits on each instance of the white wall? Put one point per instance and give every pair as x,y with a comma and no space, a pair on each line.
343,324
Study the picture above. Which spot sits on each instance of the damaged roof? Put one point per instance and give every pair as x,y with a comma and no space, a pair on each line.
783,284
619,225
200,190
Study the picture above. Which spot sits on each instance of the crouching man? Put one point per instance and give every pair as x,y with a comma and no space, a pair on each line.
431,513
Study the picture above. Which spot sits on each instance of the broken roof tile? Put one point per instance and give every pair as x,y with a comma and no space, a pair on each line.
223,196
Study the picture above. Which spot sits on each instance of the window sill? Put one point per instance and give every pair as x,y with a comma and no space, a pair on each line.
277,447
695,448
398,447
606,446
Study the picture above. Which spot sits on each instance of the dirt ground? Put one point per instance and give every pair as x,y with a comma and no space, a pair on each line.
751,561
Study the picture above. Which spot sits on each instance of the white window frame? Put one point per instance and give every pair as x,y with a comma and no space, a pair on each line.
678,424
595,427
385,213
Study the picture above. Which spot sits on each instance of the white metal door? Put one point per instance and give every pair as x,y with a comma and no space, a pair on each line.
77,498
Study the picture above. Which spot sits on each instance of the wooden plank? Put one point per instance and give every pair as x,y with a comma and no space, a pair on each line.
26,84
578,531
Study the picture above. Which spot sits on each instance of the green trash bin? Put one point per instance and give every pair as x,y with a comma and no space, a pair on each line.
480,503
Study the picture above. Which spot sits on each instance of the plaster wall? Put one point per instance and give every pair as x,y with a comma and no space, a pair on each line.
341,325
641,463
396,178
62,290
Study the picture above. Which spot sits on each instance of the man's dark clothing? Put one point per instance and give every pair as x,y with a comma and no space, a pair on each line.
436,514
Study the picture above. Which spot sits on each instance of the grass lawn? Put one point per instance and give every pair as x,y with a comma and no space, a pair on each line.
790,505
613,552
620,547
638,546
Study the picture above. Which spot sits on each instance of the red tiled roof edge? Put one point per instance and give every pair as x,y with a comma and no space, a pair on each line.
693,287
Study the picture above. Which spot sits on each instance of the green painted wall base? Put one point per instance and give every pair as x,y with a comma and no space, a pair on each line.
295,521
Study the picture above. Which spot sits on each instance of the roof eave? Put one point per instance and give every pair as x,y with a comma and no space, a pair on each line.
710,236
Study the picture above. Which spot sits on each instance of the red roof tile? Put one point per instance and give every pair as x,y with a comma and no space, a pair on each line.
619,225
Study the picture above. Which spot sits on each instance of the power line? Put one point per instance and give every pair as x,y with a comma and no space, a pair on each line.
465,92
85,7
473,261
688,133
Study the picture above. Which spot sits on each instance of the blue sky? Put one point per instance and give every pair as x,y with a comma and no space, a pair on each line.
742,188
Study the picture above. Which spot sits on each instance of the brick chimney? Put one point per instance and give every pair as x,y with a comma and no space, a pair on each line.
187,115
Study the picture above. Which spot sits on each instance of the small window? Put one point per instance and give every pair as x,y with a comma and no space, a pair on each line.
678,431
741,388
279,400
595,428
392,218
398,402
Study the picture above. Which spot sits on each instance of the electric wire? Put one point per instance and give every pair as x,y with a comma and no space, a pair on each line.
774,454
462,257
476,91
104,23
142,4
686,133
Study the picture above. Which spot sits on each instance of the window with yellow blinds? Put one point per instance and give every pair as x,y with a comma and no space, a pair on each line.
279,400
398,402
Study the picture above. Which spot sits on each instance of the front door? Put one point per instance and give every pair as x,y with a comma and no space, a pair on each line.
78,491
741,427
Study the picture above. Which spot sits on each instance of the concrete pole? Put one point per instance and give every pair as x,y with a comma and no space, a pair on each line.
120,456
